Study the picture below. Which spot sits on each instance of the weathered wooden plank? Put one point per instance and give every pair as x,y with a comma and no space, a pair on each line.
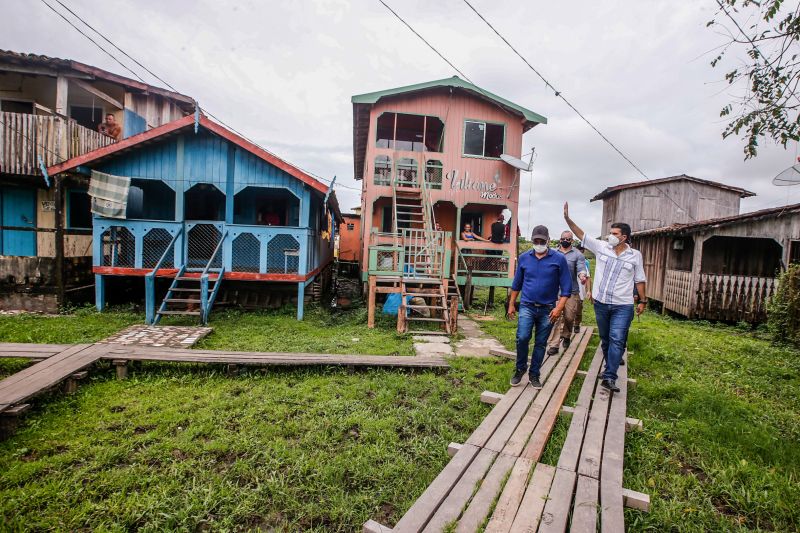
423,509
556,510
510,498
548,416
584,512
30,350
591,453
28,374
454,504
371,526
481,503
532,505
570,451
636,500
453,448
491,397
612,517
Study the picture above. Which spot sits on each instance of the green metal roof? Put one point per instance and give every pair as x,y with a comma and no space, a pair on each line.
455,81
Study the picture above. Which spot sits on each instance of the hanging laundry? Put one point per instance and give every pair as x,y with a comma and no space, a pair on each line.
109,194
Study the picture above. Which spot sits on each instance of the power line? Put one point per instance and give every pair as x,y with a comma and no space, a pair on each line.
95,42
206,111
560,95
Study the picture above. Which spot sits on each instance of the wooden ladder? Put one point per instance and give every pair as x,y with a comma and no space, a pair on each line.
433,291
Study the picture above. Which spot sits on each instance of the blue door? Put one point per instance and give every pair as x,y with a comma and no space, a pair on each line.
18,207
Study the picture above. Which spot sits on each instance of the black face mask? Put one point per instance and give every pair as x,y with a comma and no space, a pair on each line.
566,244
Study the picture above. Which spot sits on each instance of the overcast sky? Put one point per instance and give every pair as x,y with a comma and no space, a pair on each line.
283,74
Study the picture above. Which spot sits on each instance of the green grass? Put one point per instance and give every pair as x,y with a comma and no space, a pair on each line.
720,450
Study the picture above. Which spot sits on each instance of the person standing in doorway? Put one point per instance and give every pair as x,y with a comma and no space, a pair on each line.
498,233
543,279
619,268
577,271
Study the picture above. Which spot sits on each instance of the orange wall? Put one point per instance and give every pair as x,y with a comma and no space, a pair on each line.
350,240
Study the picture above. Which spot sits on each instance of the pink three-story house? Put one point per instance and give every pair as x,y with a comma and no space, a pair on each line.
429,159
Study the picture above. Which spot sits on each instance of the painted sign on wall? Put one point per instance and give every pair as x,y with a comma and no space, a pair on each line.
487,188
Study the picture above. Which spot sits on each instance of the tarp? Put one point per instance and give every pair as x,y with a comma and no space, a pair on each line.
109,194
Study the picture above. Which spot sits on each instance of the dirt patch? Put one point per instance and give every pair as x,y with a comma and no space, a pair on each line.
480,375
116,408
690,469
385,512
180,455
140,430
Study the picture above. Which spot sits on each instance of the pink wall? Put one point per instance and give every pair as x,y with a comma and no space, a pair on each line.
453,109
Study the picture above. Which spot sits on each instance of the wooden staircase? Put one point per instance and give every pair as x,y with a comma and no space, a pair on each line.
409,209
433,291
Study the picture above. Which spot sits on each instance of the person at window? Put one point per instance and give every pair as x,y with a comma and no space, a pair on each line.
268,217
498,233
577,272
619,268
544,282
468,235
110,127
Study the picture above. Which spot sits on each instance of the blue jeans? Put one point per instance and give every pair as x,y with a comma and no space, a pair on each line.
613,324
531,317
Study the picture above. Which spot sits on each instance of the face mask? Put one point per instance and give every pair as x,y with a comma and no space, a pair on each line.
613,240
540,248
566,244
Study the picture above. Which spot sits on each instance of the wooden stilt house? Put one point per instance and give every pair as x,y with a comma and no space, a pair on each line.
207,207
429,159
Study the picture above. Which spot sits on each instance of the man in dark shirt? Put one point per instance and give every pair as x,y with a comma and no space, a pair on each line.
498,235
542,277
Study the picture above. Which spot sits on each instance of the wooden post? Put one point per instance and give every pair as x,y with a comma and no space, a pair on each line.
122,368
453,315
371,303
71,385
491,297
59,236
9,419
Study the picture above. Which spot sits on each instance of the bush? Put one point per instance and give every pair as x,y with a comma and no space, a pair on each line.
783,310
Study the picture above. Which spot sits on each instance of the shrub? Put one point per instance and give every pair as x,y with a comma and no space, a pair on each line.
783,310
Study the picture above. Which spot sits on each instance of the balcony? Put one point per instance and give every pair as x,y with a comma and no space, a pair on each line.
134,247
25,137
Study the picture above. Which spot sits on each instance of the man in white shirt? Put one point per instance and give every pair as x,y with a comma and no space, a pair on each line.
619,268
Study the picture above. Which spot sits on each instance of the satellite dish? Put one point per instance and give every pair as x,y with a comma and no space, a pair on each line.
518,163
790,176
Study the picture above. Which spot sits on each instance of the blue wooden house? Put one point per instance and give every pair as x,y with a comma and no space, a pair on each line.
205,206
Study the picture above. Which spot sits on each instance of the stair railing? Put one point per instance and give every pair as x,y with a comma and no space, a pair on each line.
150,279
205,301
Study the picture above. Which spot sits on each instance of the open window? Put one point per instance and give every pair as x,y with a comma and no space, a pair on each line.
407,172
410,133
433,173
17,106
88,117
483,139
266,206
151,200
79,209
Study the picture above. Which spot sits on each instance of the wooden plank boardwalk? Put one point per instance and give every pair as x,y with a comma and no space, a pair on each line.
62,361
493,466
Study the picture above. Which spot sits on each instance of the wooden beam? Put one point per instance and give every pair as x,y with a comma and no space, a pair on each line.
490,397
453,448
633,424
567,410
96,92
582,372
62,92
503,353
636,500
632,383
371,526
17,410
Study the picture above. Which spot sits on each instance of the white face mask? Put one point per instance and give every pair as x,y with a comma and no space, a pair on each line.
540,248
613,240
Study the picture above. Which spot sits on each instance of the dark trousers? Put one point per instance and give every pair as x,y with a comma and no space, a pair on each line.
532,318
613,324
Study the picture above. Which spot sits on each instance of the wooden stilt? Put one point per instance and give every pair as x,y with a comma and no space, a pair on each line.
122,368
371,303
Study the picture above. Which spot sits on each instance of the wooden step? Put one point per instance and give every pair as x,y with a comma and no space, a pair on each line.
184,289
409,306
423,319
195,313
182,300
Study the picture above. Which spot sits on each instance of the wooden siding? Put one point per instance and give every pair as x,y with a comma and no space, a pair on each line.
677,292
734,298
350,240
649,206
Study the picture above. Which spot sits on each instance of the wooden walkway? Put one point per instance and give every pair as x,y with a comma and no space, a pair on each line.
61,362
495,478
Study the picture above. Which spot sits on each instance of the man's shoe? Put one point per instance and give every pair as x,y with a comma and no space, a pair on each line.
552,350
517,377
609,384
565,341
622,362
534,381
576,329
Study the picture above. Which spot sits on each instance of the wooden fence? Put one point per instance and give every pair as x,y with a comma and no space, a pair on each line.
25,137
733,298
677,291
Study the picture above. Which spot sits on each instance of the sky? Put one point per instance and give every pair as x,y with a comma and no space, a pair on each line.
283,73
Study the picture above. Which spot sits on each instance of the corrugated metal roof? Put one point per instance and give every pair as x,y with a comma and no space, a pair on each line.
616,188
679,229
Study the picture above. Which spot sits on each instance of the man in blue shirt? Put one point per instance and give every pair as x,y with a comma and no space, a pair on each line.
542,277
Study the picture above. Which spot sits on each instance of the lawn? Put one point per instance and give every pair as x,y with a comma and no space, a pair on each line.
720,450
188,448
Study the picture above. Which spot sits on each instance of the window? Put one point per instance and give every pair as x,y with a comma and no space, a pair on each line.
351,227
88,117
383,170
433,173
79,210
410,133
483,139
406,171
17,106
386,219
473,219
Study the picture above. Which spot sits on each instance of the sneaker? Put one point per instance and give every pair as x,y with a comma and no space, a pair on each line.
576,329
517,377
552,350
565,341
534,381
609,384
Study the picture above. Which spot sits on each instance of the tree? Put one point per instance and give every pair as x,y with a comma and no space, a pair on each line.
768,104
